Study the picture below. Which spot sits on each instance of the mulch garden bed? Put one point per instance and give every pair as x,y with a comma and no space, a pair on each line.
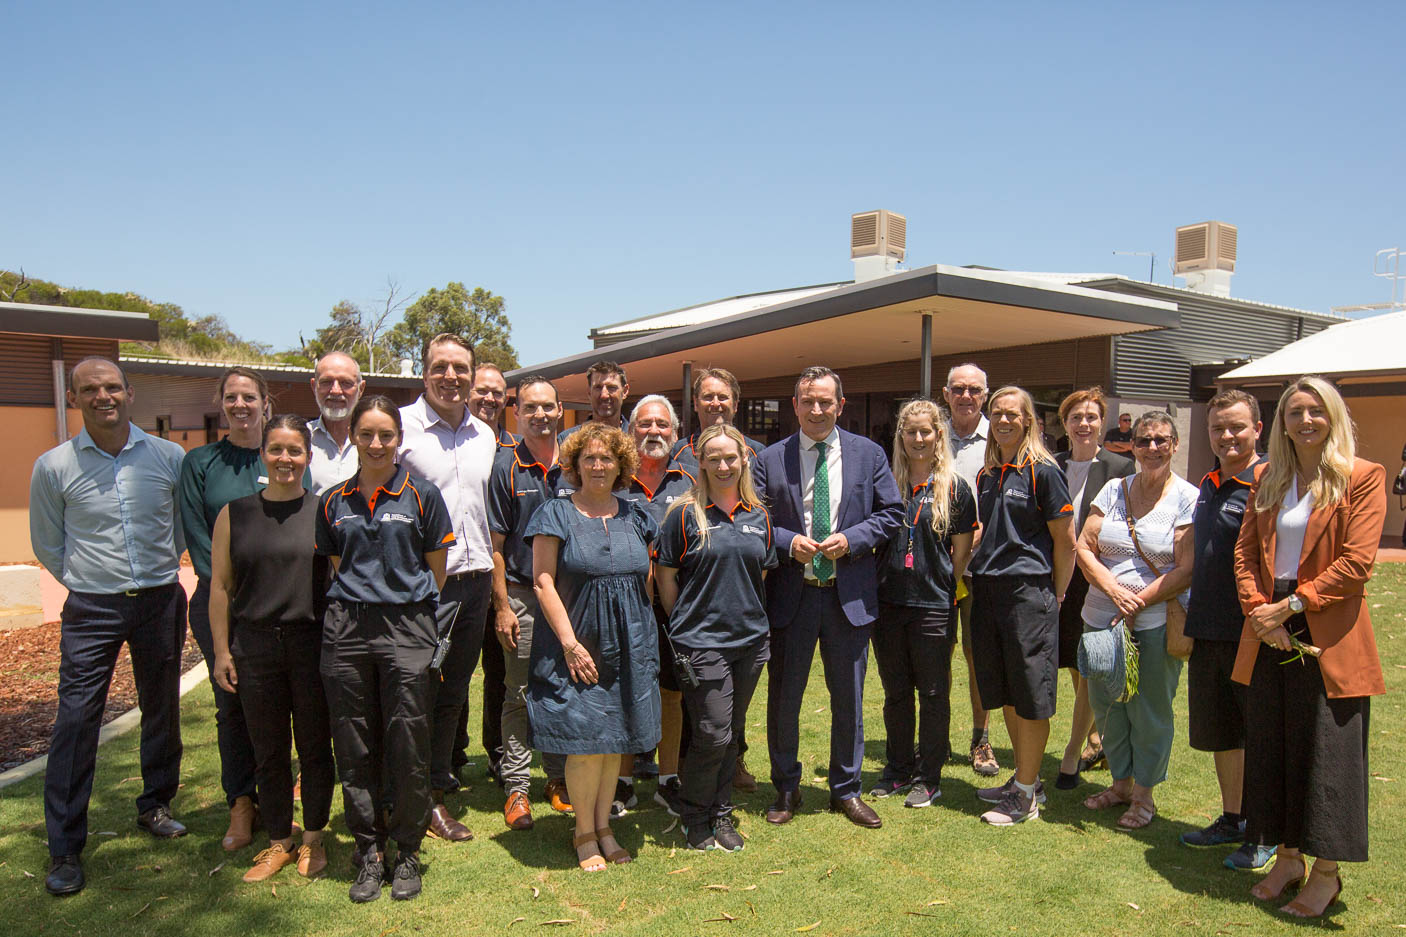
29,680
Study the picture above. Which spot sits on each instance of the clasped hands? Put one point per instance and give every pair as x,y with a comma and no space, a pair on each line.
1268,622
832,547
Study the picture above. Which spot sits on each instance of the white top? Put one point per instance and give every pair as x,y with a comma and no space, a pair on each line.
331,463
834,476
1156,532
1289,531
969,452
458,460
1077,475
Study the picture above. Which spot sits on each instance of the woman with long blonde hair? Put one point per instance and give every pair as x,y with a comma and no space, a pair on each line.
913,634
714,549
1020,571
1302,562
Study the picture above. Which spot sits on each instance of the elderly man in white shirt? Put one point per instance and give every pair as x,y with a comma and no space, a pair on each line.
336,386
443,442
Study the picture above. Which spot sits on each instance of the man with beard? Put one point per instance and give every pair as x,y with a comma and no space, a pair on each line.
656,485
336,386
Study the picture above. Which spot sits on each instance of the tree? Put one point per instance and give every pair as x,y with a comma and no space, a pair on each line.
477,317
360,333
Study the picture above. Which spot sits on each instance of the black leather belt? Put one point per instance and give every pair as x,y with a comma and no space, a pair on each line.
817,584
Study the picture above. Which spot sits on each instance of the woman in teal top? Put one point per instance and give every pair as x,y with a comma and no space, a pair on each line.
211,477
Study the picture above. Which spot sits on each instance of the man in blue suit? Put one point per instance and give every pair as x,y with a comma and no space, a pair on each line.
833,502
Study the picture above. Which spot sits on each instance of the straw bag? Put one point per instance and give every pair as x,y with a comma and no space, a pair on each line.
1178,644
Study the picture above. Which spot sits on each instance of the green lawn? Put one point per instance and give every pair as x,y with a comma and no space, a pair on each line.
937,870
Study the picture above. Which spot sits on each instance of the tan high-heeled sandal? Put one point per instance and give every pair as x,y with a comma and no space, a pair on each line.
594,863
1291,885
1297,908
619,856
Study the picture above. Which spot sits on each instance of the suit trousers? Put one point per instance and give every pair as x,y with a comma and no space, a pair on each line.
152,624
280,682
231,731
471,591
380,691
844,654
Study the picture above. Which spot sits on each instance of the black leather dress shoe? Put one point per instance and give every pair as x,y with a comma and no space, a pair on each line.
859,813
785,807
159,823
65,876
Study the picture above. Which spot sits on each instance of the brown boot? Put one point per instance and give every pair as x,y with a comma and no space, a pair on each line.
742,779
243,817
268,862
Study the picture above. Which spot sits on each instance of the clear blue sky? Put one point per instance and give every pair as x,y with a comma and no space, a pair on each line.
598,162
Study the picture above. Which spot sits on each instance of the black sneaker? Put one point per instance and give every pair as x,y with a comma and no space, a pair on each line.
725,835
367,886
669,795
625,799
1222,830
699,837
1250,858
405,880
887,786
994,795
922,794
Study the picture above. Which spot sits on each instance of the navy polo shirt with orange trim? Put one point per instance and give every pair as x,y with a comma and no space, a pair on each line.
518,486
1214,612
1015,503
722,602
676,483
382,540
686,452
931,582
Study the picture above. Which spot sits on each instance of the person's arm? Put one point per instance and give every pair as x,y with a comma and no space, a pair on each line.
46,530
436,560
545,550
1171,583
961,553
884,518
505,623
1099,576
1352,567
192,506
221,583
1062,531
785,538
666,580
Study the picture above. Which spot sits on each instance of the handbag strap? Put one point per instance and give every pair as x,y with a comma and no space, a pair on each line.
1132,528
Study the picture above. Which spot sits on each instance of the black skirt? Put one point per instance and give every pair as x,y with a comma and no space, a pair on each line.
1305,758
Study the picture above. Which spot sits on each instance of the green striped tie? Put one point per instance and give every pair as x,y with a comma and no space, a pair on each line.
820,514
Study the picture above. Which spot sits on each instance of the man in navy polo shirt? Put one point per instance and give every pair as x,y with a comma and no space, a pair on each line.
716,394
1214,619
609,390
523,478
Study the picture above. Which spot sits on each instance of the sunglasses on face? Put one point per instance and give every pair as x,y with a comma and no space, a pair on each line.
1151,442
962,390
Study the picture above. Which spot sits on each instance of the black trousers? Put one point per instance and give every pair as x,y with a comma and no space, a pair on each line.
280,682
716,712
913,648
495,690
152,624
1305,758
375,669
231,731
451,696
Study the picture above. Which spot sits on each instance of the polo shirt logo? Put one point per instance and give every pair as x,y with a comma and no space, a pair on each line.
1017,494
402,518
749,529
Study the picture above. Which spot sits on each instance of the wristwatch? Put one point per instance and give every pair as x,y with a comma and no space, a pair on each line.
1295,603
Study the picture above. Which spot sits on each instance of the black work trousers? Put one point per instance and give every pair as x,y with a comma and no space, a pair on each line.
380,691
231,731
280,682
717,712
94,627
451,694
495,691
913,648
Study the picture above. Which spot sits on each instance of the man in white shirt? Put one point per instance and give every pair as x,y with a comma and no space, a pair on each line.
444,443
336,386
965,394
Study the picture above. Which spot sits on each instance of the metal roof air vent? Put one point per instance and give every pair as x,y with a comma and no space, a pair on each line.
877,243
1205,255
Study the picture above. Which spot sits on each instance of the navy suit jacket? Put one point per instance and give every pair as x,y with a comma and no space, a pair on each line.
871,512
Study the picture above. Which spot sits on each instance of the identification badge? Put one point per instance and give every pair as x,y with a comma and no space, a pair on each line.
908,561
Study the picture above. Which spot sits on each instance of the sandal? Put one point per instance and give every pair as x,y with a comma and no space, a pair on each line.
1138,816
1297,908
1258,890
1108,797
619,856
594,863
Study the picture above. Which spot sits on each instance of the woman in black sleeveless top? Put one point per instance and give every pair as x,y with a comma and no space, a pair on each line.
268,645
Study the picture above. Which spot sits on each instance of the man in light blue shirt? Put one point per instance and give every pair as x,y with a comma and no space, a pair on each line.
102,519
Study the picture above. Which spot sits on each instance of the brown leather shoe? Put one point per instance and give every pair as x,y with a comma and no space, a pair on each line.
517,812
243,817
557,795
312,859
859,813
268,862
784,808
444,826
742,779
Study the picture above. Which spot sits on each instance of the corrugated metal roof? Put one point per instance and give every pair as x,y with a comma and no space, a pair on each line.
1358,346
710,311
196,365
1096,280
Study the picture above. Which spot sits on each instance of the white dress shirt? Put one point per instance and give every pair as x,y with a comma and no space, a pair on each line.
969,452
1289,531
331,463
459,461
835,477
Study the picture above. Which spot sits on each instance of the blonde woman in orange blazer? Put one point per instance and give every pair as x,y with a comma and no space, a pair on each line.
1302,562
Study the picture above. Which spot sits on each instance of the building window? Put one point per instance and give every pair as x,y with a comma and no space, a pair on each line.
212,427
163,426
761,419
